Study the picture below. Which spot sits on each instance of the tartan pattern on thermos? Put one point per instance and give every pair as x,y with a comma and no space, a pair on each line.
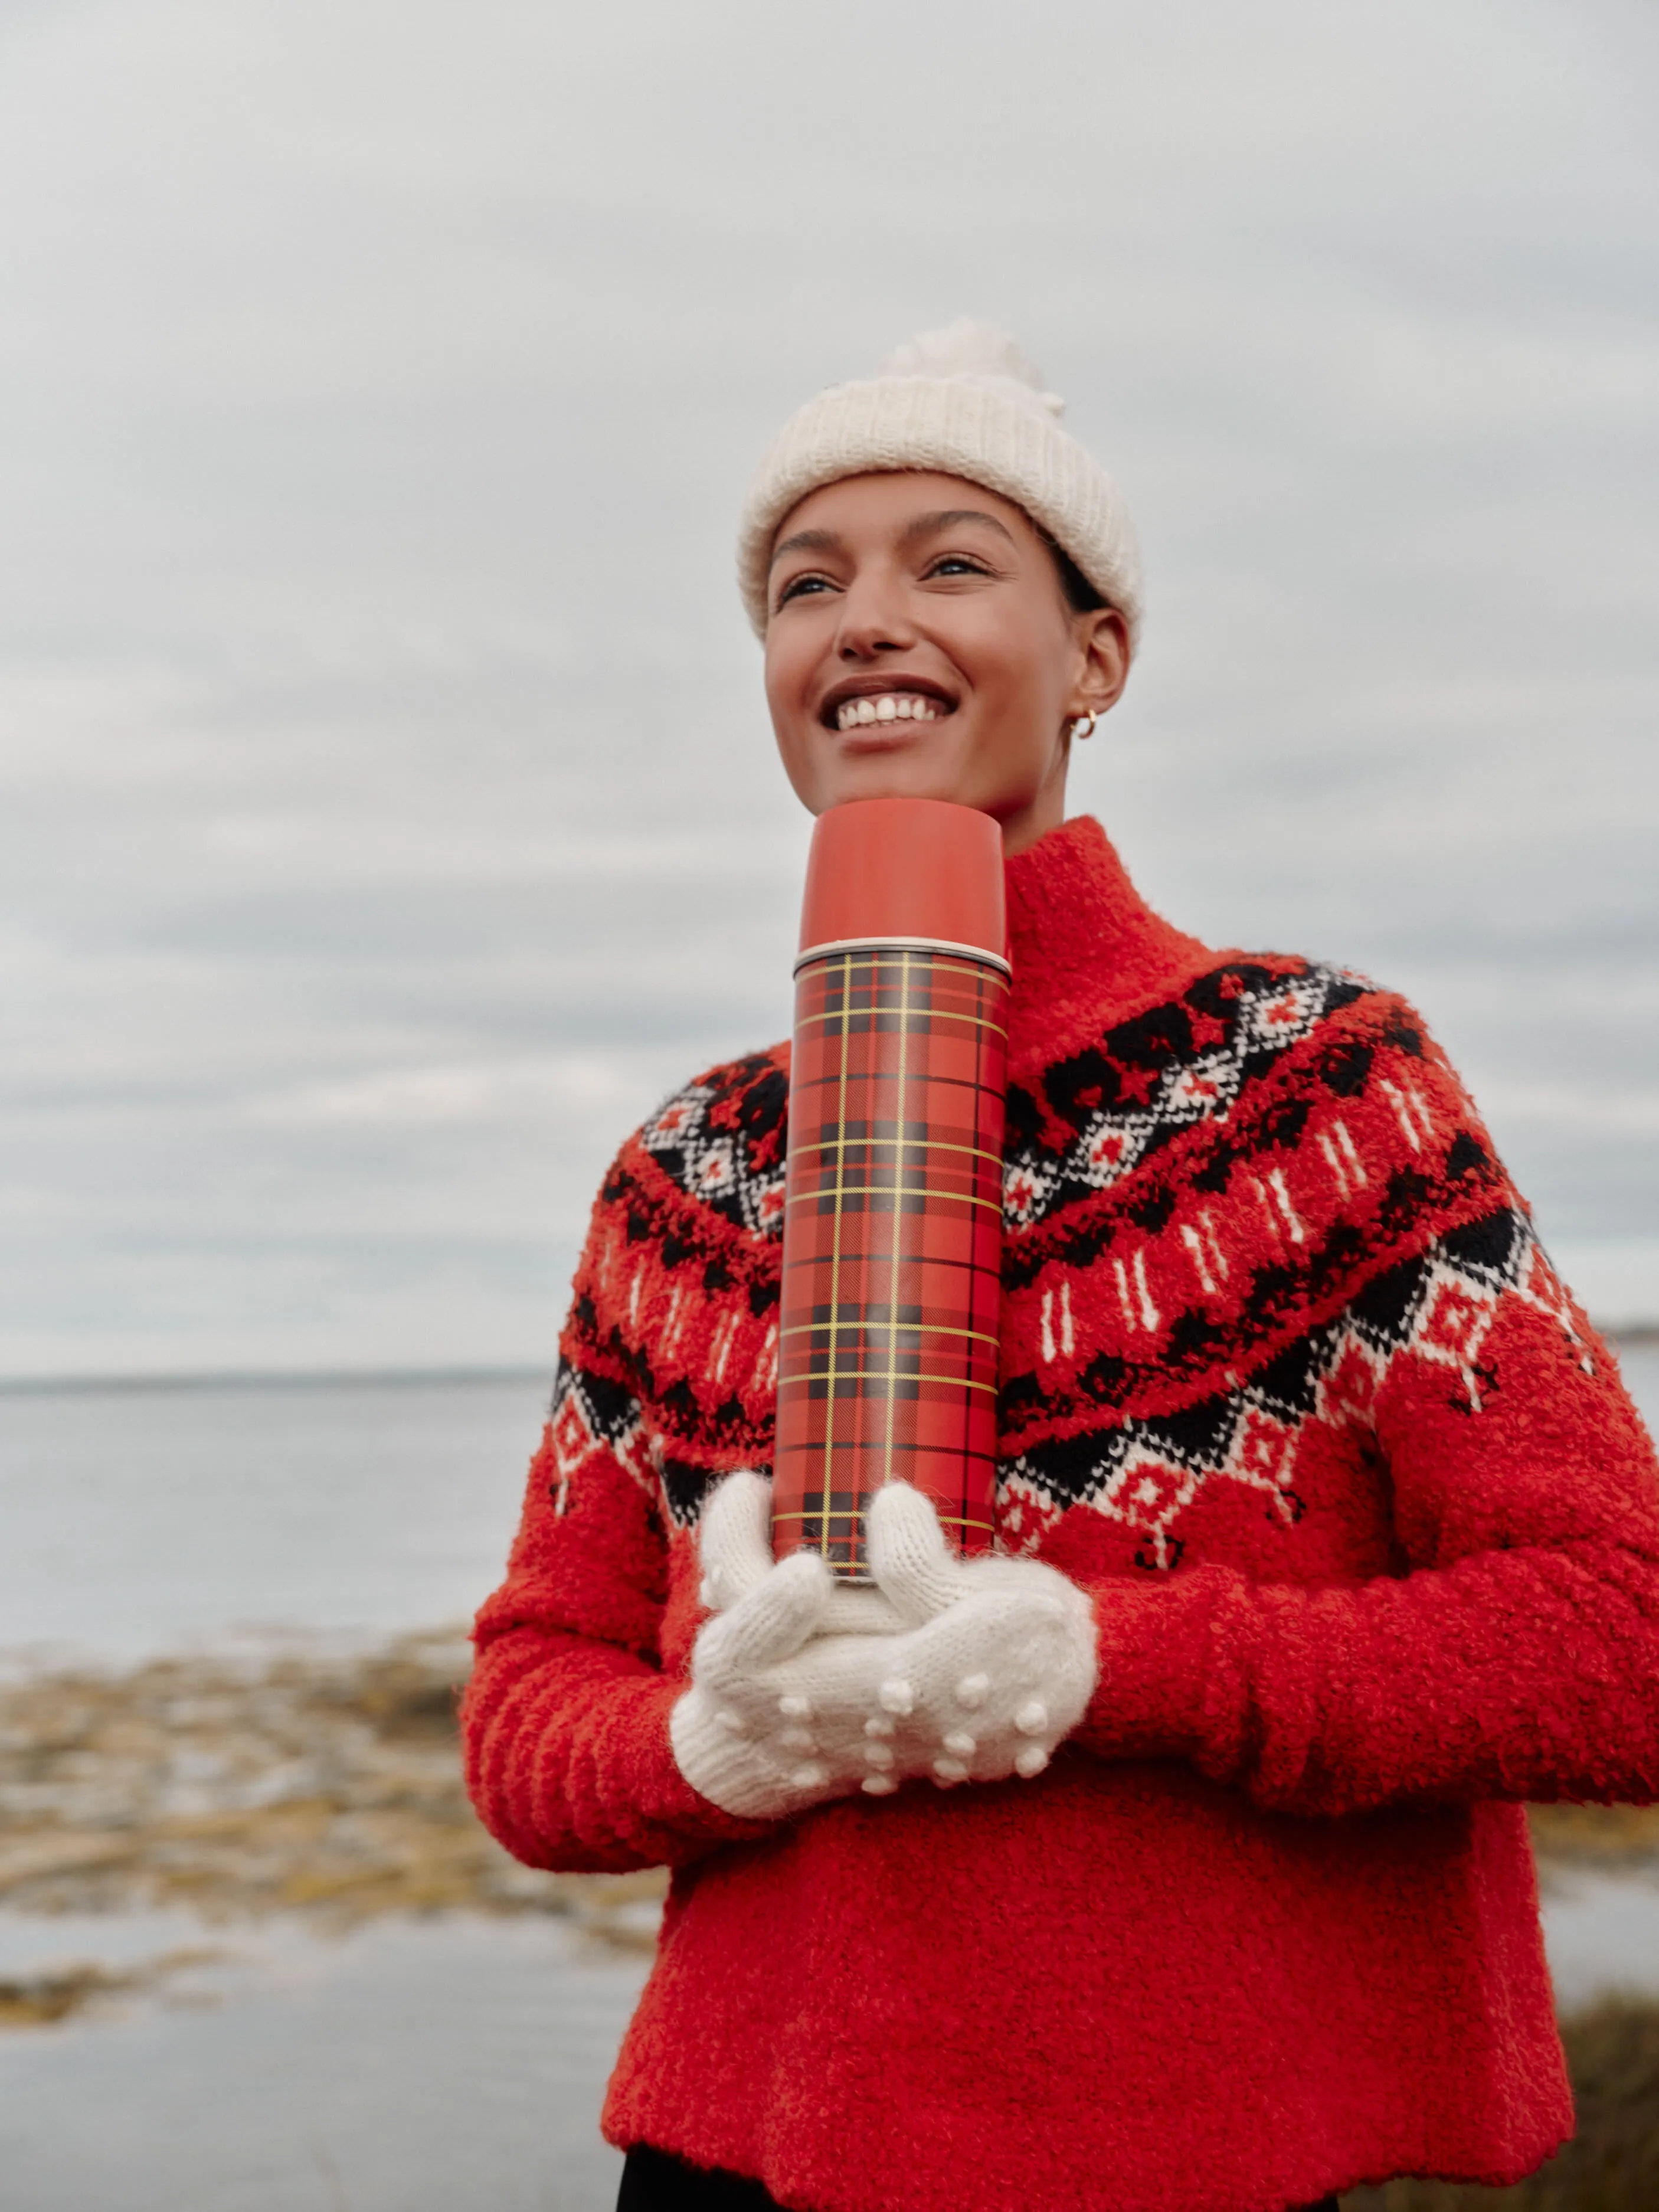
891,1242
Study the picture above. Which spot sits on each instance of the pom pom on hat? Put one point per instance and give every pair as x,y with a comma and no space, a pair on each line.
968,402
965,348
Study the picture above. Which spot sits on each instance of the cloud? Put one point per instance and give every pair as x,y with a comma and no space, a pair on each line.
386,808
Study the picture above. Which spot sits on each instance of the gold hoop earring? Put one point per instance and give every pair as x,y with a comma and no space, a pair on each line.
1083,727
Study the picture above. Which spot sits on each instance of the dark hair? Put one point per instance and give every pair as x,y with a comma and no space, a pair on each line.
1080,595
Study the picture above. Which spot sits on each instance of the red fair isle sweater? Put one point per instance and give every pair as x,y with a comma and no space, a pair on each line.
1370,1530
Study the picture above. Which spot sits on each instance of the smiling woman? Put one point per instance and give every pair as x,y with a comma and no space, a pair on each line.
1172,1854
920,642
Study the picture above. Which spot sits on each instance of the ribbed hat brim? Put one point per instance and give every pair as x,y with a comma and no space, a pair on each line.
989,430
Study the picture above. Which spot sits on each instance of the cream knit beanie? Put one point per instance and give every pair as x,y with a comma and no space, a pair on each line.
965,401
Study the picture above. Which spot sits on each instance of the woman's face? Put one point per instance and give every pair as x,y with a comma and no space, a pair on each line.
918,644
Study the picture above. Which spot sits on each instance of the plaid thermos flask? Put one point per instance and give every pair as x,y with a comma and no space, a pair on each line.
892,1224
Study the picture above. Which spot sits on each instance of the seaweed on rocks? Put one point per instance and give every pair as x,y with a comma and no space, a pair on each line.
299,1780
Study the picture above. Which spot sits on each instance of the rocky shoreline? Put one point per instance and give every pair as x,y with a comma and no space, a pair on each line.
298,1781
327,1783
321,1787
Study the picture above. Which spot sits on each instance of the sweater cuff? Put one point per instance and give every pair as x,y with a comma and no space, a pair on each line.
674,1803
1155,1689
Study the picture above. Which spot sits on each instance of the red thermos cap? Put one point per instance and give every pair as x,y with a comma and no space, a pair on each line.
905,867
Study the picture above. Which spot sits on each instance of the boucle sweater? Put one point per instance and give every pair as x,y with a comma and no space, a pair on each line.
1369,1526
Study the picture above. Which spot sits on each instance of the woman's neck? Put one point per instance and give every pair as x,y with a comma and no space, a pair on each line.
1046,812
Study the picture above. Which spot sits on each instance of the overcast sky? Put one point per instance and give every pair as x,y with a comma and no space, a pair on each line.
387,815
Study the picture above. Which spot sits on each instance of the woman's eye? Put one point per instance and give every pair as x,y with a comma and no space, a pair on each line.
957,564
799,587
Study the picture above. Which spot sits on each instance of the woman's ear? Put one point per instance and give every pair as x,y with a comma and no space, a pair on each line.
1104,638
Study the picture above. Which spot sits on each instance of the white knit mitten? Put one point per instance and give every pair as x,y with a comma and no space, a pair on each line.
955,1669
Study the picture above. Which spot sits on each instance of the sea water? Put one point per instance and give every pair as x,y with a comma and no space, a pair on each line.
136,1521
433,2066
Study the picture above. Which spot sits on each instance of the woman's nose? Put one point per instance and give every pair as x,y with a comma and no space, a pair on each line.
873,620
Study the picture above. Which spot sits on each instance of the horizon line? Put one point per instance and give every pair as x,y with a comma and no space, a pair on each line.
455,1373
260,1378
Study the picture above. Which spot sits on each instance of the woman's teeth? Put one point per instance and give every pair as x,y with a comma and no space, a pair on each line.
886,707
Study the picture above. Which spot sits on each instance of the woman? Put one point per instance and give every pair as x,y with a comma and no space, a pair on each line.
1324,1520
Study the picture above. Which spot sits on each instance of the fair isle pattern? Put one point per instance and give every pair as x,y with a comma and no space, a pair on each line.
1439,1307
590,1415
1161,1072
1242,1231
1289,1141
590,1418
721,1141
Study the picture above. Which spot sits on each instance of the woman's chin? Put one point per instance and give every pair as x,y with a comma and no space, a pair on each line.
896,771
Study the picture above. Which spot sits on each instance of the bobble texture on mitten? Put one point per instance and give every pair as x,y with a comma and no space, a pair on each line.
954,1670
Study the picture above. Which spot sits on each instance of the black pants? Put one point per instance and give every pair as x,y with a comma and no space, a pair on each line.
653,2182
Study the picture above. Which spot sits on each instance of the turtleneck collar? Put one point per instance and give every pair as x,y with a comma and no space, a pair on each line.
1087,951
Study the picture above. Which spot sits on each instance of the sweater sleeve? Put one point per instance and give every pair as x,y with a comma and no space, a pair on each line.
1513,1653
565,1721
